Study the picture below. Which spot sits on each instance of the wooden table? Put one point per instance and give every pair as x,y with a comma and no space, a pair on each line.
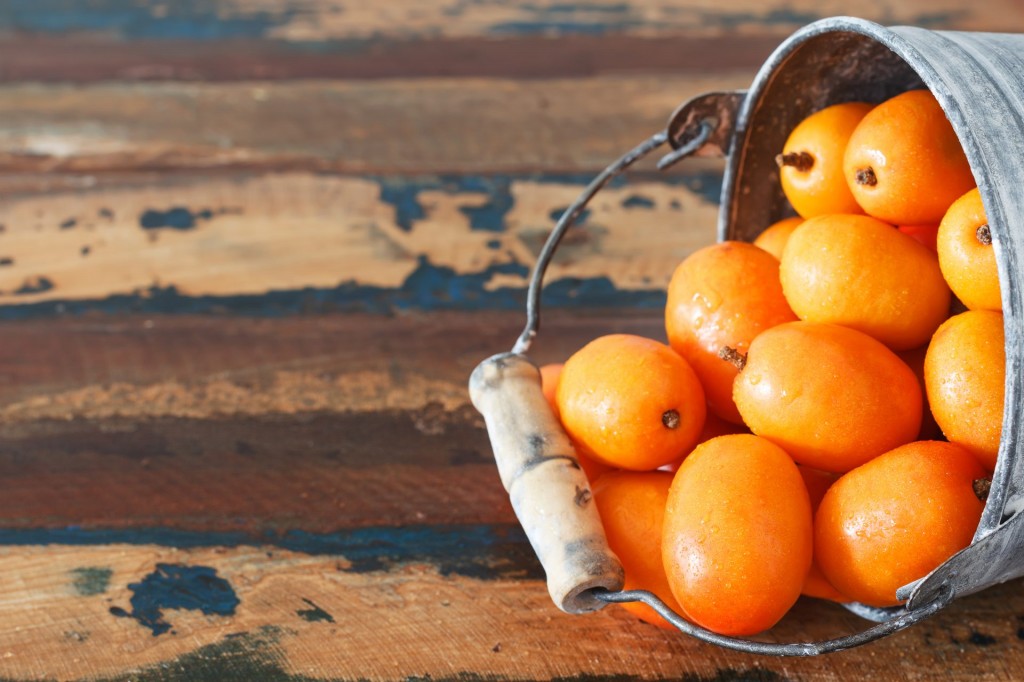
249,254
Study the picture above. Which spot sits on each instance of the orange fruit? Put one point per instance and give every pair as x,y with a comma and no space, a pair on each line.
965,377
774,238
630,402
894,519
722,295
811,162
925,234
861,273
550,375
816,584
714,426
904,164
966,255
632,509
830,396
737,534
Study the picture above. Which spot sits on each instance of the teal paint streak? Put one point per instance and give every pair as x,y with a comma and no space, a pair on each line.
194,20
479,551
88,581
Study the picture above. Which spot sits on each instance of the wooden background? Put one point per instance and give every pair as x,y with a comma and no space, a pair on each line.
249,253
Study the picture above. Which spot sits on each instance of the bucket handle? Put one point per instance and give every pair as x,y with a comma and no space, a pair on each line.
563,528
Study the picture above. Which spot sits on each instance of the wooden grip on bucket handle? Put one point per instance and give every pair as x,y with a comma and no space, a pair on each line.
549,491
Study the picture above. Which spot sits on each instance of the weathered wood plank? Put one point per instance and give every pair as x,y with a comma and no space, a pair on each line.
297,241
78,59
53,40
403,126
254,426
209,367
137,612
325,20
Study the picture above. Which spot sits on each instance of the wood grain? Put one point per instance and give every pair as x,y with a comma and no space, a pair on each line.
251,250
365,241
301,617
381,127
55,41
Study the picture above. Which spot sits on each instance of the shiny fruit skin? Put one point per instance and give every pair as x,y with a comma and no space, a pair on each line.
965,377
550,375
722,295
632,509
918,166
737,534
862,273
630,402
714,426
894,519
830,396
774,238
969,263
822,137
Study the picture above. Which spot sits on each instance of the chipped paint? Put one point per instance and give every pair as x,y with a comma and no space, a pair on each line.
176,218
314,614
89,581
175,586
325,243
483,551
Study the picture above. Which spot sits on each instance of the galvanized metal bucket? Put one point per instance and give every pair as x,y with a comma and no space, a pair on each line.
978,79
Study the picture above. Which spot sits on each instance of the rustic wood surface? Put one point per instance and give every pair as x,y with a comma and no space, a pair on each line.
250,252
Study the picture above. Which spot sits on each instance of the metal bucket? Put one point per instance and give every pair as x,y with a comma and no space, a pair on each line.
978,79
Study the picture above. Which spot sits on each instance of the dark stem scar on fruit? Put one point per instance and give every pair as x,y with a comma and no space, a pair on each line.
733,356
981,487
866,176
670,419
984,235
801,161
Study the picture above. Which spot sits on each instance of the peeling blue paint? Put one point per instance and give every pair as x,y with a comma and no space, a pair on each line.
484,551
175,586
556,215
428,287
176,218
34,285
637,201
490,217
403,194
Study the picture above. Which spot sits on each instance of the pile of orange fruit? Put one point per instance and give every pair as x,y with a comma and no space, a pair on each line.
826,414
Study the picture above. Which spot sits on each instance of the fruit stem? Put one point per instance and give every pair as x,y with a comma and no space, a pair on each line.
984,235
981,487
802,161
866,176
670,419
731,355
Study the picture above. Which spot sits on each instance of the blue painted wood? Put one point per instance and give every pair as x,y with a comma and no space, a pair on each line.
479,551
